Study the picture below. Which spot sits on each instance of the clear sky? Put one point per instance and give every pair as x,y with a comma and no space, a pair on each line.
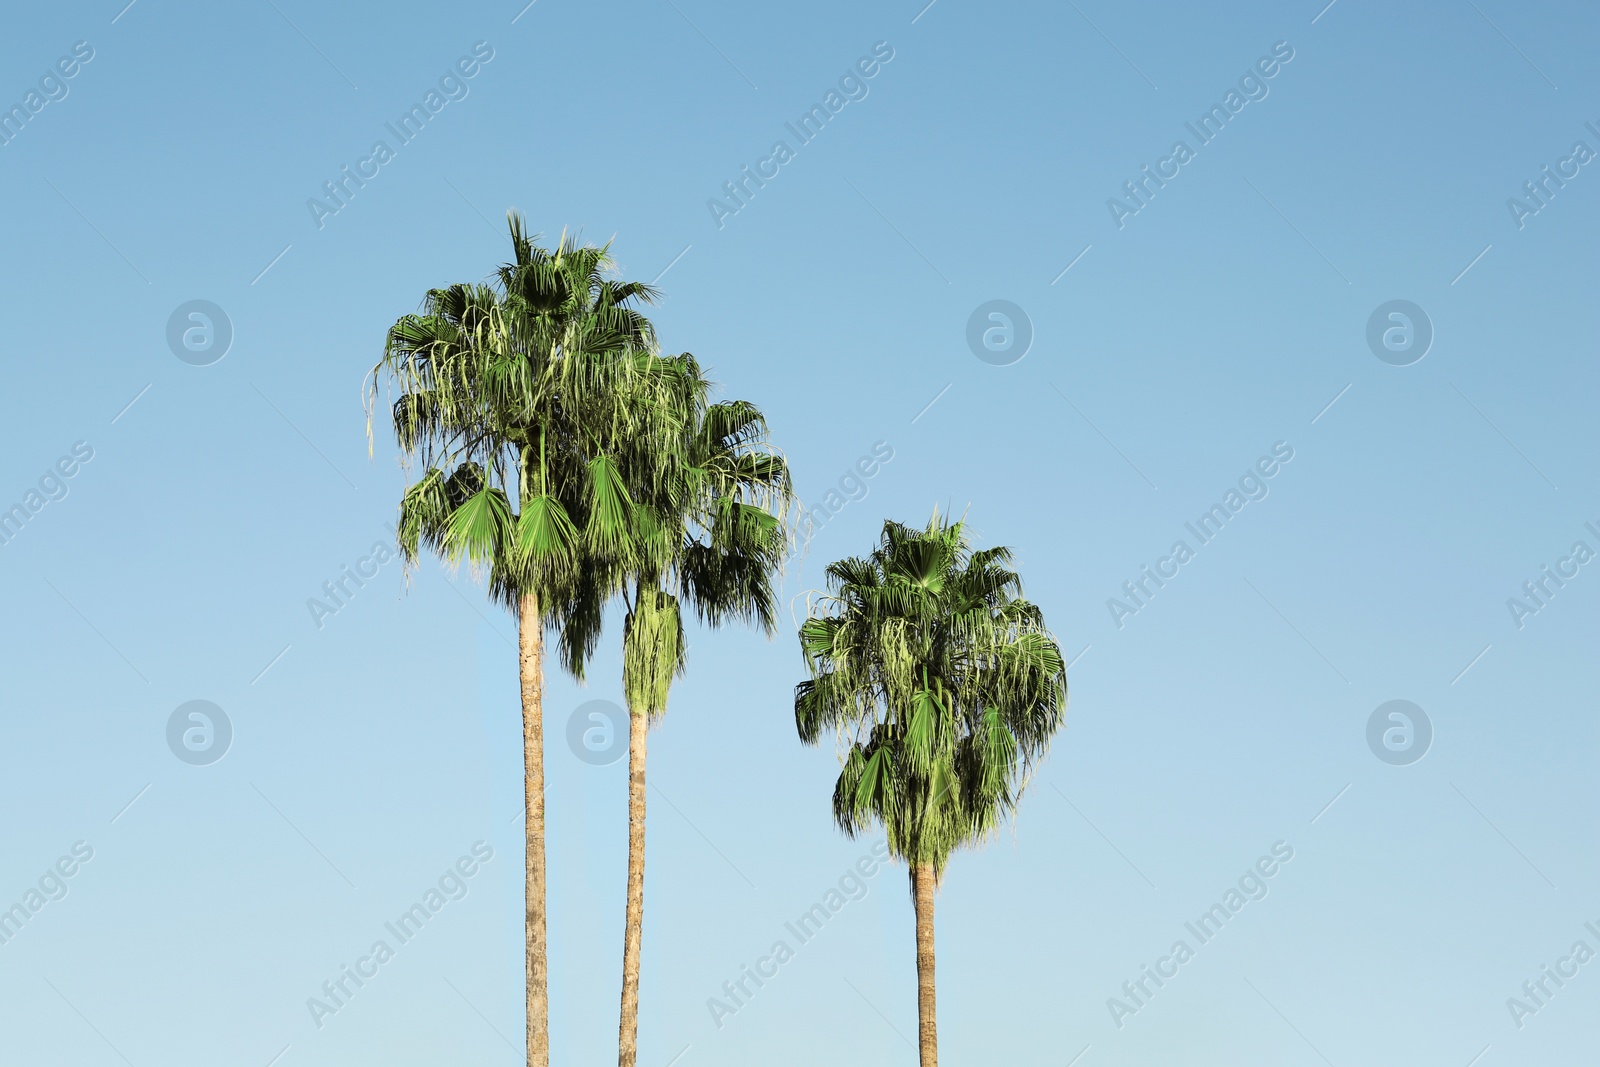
1184,339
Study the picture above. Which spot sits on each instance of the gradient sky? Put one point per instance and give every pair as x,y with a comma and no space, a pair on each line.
1228,314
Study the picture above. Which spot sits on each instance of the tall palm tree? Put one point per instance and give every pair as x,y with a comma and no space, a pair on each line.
522,401
712,515
945,687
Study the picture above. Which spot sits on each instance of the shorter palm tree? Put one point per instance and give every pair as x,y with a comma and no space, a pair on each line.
945,687
710,517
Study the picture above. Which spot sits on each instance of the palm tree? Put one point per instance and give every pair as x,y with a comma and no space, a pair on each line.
522,401
712,515
945,687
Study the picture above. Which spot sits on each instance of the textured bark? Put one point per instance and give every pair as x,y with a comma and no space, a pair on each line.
530,662
922,884
628,1036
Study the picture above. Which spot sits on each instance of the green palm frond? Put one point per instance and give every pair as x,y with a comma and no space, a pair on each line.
652,652
545,534
479,528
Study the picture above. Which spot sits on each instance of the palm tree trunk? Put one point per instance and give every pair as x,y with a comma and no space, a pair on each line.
628,1037
922,882
530,662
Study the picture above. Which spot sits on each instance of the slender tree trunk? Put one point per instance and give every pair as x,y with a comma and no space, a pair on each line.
922,883
628,1037
530,657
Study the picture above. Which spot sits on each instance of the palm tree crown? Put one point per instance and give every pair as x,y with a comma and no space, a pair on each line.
529,404
711,518
944,682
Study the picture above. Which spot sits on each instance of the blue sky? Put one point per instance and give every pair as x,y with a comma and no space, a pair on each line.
1172,348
